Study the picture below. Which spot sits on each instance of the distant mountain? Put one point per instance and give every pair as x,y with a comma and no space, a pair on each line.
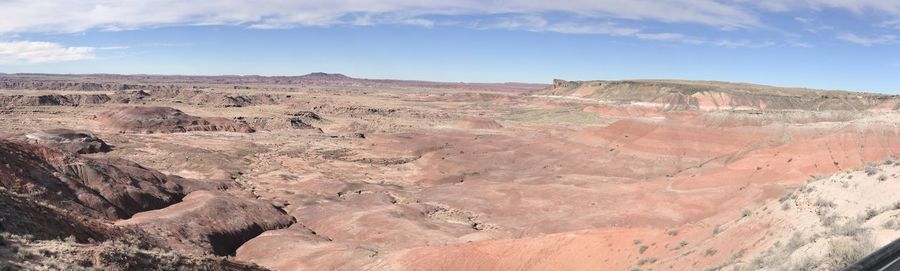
327,76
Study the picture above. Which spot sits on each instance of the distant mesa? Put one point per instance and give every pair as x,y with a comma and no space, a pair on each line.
70,141
683,95
157,119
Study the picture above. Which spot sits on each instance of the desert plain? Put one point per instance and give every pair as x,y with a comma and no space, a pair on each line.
329,172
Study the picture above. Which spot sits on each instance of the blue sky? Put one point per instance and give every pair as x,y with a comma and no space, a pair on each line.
832,44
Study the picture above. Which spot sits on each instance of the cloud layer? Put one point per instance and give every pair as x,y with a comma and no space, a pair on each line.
26,16
76,16
623,18
32,52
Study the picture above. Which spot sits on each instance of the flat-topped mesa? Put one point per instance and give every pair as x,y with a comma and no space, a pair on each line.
165,120
328,76
677,95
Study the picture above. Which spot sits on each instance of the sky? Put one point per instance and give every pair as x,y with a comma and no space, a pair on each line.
827,44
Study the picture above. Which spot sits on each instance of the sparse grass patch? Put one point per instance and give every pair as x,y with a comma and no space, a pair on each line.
22,255
680,245
828,221
642,248
822,203
672,232
850,228
868,214
784,198
646,261
871,170
844,252
717,230
710,252
637,241
777,257
45,252
805,264
795,242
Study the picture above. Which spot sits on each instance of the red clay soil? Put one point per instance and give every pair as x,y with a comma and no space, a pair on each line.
568,199
477,123
714,173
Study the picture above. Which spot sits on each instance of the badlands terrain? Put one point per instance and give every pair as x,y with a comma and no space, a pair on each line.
328,172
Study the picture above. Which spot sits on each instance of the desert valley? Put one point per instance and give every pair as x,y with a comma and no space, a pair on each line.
330,172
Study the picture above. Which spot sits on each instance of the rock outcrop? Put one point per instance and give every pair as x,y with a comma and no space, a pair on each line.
70,141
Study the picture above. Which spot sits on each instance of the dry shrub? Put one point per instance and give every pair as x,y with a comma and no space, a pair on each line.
843,252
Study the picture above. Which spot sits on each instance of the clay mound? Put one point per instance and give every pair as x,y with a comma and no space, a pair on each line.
477,123
165,120
70,141
210,222
94,188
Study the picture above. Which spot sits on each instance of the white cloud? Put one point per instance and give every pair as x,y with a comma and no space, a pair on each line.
799,44
114,15
895,24
743,44
14,52
369,19
674,37
891,7
540,24
606,17
812,25
869,41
